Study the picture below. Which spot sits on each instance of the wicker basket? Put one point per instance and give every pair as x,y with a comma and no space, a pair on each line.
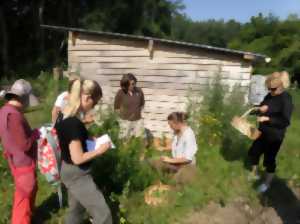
244,126
156,194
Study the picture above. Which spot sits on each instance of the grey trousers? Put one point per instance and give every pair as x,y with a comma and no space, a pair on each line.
83,194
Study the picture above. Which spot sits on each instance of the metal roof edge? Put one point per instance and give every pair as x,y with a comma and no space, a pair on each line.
180,43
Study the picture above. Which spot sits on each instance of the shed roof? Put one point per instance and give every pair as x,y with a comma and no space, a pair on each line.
243,54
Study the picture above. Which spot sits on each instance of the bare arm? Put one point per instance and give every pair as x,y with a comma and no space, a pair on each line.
166,147
78,156
175,161
55,112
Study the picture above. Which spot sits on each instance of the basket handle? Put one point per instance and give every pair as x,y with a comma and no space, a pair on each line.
249,111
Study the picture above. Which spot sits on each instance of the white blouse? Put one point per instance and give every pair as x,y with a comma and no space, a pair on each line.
185,145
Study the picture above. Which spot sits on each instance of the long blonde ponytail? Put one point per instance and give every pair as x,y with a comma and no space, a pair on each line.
87,87
73,105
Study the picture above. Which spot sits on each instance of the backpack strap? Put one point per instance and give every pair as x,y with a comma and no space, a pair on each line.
60,117
60,194
6,112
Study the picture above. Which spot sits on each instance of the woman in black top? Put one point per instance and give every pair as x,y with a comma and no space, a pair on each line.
274,117
75,170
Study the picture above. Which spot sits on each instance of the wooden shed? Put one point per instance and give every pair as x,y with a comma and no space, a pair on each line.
167,71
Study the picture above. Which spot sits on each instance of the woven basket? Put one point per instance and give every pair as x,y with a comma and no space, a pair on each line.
156,194
244,126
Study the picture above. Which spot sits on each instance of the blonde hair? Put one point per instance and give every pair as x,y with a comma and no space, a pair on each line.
85,87
278,77
285,79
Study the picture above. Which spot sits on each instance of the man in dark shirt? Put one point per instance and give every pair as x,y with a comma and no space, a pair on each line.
274,118
129,103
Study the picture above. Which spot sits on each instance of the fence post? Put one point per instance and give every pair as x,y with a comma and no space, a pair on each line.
57,73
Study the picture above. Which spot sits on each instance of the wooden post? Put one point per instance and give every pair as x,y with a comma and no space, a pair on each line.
151,48
73,37
57,73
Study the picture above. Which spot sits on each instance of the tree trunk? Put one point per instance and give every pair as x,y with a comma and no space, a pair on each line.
42,33
70,13
4,45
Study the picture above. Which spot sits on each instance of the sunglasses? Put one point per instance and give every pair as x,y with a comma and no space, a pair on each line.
272,89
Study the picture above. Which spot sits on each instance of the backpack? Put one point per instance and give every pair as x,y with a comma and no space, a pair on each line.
49,158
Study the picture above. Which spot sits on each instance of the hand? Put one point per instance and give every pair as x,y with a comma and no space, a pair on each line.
263,119
263,108
89,118
103,148
165,159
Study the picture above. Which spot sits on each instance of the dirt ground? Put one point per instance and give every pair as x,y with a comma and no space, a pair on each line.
277,207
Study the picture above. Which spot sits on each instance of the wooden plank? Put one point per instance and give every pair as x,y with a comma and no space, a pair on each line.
162,125
164,108
90,66
184,67
113,53
153,116
109,53
162,79
171,86
236,69
104,47
168,92
96,39
143,72
88,59
175,53
170,104
158,97
159,131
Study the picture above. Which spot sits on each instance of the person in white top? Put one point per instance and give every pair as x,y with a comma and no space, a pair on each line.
184,145
62,99
182,161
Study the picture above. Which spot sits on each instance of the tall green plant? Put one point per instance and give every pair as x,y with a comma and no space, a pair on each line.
212,116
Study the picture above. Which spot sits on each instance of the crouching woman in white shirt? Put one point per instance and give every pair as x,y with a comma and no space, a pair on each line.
184,148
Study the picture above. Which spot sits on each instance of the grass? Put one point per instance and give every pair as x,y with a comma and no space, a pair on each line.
222,175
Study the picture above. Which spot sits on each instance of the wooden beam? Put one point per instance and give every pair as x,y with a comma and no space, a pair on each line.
73,37
249,57
151,48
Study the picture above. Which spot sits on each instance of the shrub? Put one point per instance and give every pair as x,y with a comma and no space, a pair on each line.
121,166
211,118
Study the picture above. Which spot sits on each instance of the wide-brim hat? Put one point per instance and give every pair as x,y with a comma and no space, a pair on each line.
22,89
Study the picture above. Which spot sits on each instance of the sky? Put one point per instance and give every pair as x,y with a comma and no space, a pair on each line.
240,10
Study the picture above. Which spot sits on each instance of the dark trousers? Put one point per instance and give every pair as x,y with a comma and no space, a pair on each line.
183,174
268,148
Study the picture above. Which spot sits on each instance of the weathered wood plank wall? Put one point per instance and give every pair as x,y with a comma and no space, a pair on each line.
167,76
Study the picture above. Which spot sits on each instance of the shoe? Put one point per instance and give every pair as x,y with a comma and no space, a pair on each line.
262,188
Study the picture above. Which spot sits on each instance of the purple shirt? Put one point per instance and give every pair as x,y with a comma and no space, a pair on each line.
17,138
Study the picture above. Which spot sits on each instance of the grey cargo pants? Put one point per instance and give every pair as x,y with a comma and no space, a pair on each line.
83,194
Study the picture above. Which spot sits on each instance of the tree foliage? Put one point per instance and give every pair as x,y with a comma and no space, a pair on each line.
26,48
